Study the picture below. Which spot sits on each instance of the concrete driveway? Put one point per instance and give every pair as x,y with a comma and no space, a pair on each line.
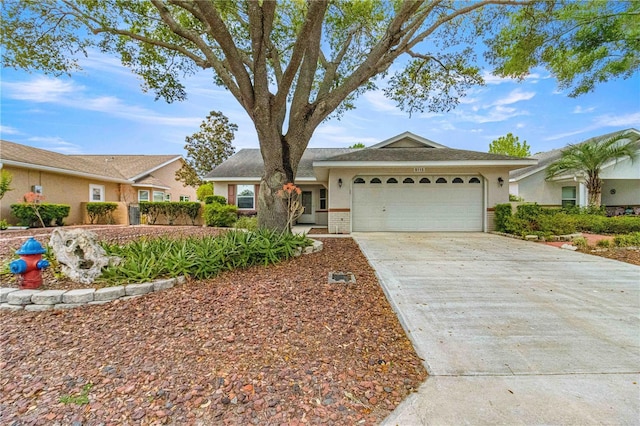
512,332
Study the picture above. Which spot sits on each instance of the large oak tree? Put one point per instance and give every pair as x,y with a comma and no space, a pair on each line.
290,64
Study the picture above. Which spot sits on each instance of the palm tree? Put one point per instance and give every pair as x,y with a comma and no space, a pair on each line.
589,158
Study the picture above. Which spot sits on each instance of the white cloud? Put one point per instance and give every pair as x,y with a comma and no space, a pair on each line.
56,144
68,94
492,115
514,96
627,120
42,89
332,136
579,110
379,102
607,120
520,126
491,79
8,130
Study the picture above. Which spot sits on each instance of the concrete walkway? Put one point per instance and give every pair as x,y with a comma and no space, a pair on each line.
512,332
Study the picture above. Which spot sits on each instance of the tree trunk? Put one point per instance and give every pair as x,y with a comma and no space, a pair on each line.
281,156
594,187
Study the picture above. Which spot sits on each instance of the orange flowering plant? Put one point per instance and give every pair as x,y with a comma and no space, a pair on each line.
290,193
33,200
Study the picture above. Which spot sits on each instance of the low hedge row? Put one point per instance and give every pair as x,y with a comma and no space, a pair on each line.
532,219
51,214
171,211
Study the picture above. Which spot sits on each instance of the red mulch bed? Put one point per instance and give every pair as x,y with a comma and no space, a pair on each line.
274,345
616,253
318,231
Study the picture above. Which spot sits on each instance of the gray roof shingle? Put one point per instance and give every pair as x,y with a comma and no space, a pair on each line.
247,163
419,154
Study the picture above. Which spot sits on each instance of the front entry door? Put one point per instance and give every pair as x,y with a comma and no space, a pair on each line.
306,199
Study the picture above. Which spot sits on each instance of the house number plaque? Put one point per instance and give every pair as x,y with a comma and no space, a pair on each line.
418,169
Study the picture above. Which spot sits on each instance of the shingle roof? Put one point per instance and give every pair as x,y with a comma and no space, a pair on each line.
247,163
548,157
10,151
129,166
120,167
419,154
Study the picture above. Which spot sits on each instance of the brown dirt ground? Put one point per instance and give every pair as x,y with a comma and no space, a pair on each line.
274,345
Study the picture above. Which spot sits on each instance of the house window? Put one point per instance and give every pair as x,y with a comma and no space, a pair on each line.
569,196
441,180
158,196
96,193
474,180
408,180
392,180
185,198
167,197
458,180
323,198
245,197
143,195
425,180
375,180
358,180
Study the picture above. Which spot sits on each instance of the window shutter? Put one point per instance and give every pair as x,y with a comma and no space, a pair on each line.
231,194
256,192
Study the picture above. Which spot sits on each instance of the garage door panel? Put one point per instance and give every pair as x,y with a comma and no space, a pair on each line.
417,207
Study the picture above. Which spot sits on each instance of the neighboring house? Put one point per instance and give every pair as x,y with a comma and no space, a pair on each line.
78,179
405,183
620,181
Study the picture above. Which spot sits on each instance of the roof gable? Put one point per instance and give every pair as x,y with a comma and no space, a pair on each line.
407,140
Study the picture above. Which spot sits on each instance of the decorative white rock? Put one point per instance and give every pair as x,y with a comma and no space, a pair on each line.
81,258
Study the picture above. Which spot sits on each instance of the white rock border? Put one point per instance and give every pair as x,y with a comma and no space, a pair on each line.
14,299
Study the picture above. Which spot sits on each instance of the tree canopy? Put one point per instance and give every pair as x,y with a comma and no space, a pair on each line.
582,43
207,148
588,159
290,64
510,145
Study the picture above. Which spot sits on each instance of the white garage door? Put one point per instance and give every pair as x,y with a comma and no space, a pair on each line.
417,203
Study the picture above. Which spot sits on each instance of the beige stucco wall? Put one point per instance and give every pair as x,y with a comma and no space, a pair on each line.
56,188
71,190
623,169
167,175
627,192
536,189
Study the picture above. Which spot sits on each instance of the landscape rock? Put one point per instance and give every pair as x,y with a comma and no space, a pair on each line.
83,295
80,256
47,297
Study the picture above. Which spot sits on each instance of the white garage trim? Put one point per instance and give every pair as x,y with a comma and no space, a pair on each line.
421,203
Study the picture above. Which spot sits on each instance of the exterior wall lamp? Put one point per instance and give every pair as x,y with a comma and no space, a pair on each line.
500,181
339,182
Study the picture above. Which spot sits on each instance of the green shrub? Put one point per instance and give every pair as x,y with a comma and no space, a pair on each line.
220,214
503,213
604,243
557,224
215,199
528,211
204,190
627,240
580,242
192,210
3,225
249,223
101,212
50,213
198,257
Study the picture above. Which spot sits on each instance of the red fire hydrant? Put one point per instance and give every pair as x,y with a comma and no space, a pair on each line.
30,264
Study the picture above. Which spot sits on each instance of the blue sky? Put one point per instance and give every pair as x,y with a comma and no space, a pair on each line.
102,110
